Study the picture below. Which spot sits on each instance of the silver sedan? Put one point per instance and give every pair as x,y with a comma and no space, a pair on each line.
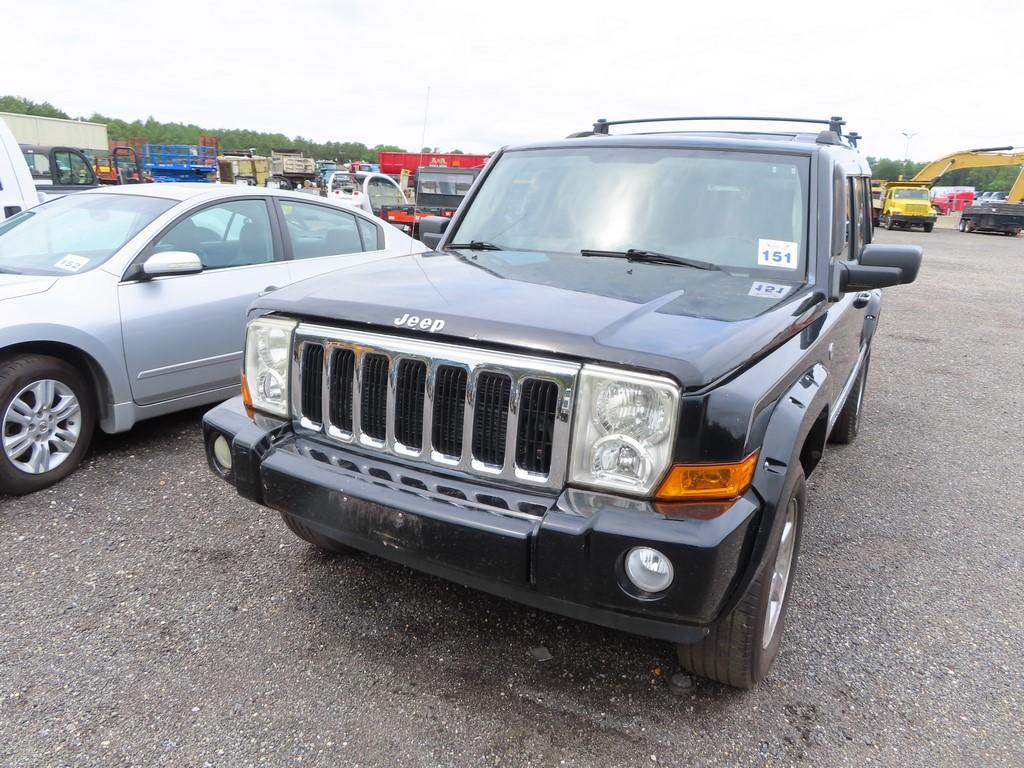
124,303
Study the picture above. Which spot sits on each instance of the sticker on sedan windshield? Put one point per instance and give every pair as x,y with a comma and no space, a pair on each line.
71,263
777,253
768,290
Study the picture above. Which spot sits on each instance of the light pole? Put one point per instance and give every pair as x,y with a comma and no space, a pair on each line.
906,148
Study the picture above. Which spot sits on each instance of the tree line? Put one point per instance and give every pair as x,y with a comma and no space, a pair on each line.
151,131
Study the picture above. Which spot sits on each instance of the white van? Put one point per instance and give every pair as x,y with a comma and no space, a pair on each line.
17,189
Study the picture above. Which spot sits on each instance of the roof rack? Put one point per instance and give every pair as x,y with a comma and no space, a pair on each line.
835,124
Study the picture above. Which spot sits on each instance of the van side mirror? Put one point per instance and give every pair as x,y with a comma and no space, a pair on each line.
880,265
431,230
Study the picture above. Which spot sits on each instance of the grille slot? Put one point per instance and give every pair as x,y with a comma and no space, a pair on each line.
374,402
490,420
410,385
313,382
537,407
343,363
449,410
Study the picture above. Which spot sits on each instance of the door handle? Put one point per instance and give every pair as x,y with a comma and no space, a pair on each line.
862,299
267,290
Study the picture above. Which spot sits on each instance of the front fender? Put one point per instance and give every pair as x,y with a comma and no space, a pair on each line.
799,416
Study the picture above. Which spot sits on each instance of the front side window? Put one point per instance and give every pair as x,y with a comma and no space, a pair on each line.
75,233
38,164
383,192
72,168
316,230
234,234
741,211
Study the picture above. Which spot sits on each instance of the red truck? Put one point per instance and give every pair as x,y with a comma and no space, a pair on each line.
393,163
953,201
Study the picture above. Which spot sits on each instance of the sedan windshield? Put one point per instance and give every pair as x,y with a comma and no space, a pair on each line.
74,233
741,211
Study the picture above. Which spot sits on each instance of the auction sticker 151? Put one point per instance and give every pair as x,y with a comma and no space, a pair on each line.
777,253
768,290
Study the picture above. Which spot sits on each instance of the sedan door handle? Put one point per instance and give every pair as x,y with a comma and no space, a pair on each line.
267,290
862,299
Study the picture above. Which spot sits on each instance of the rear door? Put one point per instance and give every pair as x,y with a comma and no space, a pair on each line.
183,334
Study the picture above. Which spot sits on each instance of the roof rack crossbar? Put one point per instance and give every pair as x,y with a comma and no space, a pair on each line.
834,123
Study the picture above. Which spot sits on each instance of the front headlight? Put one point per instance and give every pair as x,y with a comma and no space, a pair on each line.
624,431
268,343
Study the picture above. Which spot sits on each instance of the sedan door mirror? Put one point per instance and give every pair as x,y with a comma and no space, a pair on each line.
171,263
431,230
880,265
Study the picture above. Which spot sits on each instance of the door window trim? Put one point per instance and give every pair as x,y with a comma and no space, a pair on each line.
132,271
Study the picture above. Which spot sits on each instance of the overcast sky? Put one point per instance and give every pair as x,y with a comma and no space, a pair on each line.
502,73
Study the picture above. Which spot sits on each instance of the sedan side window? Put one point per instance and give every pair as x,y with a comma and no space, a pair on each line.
316,230
234,234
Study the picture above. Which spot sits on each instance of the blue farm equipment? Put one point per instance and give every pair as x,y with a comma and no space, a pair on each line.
181,162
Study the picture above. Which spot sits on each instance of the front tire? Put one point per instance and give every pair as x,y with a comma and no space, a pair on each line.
741,647
47,416
304,532
929,227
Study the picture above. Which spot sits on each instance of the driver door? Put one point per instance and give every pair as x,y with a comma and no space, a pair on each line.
184,334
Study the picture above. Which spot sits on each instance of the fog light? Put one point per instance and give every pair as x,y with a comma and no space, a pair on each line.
222,453
648,569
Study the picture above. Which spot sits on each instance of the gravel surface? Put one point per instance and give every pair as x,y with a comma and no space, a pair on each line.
150,617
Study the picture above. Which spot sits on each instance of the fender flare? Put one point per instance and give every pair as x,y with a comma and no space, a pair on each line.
793,420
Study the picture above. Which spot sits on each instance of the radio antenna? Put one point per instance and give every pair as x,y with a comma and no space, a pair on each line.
416,200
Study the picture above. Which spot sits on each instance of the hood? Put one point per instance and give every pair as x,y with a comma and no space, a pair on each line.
695,325
13,286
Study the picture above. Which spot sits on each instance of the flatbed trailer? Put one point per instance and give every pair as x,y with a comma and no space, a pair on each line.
1007,218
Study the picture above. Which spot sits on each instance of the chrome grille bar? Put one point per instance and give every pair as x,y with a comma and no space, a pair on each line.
435,356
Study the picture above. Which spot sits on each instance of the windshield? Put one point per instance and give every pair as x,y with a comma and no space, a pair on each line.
74,233
744,212
910,194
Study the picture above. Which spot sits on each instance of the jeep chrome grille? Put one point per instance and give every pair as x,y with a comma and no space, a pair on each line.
473,411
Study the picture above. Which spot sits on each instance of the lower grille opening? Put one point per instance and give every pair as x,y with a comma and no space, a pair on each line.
313,383
490,420
374,402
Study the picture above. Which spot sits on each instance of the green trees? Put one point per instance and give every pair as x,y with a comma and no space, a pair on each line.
152,131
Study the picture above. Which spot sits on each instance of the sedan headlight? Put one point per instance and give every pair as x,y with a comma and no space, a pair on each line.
268,342
624,431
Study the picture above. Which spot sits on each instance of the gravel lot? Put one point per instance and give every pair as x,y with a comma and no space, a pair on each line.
150,617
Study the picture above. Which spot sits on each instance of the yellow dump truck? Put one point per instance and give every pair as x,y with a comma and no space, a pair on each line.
903,204
244,167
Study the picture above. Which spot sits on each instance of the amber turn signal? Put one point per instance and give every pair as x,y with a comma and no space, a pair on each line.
246,395
708,482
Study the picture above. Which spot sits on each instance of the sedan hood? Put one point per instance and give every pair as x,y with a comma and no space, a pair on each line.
13,286
695,325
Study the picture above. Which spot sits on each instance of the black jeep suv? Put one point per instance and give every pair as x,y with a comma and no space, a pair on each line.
600,394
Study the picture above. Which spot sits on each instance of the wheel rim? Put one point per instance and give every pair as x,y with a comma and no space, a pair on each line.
780,575
41,426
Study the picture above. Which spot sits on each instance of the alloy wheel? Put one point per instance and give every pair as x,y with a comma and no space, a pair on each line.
780,574
41,426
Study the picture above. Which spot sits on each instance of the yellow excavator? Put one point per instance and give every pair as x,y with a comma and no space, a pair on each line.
908,203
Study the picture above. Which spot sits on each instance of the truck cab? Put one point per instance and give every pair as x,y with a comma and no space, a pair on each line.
904,204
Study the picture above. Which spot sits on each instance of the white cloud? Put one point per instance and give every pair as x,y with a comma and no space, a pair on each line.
510,72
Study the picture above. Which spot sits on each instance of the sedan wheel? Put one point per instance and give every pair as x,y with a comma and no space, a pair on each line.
41,426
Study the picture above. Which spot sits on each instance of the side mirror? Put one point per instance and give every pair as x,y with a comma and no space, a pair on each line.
432,228
880,266
171,263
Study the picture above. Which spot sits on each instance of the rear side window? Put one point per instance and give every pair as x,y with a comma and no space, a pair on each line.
316,230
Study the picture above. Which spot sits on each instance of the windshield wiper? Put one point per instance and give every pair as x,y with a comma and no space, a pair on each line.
652,257
476,245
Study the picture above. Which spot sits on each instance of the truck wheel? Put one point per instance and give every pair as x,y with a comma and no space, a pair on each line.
889,223
962,226
845,429
742,646
929,227
304,532
47,412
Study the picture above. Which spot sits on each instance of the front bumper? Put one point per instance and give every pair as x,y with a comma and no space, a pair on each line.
563,555
911,220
